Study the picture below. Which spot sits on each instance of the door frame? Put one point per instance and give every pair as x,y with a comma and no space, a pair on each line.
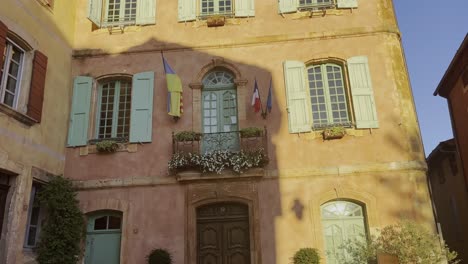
245,192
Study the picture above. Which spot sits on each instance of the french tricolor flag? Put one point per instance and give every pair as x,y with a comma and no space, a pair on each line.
256,103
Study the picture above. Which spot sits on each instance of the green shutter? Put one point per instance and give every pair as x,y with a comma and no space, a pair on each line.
79,116
146,12
187,10
287,6
245,8
297,95
142,107
347,3
95,11
362,93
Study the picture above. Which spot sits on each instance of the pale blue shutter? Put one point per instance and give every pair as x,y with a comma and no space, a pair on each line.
187,10
297,95
362,93
95,11
142,107
287,6
146,12
347,3
79,116
245,8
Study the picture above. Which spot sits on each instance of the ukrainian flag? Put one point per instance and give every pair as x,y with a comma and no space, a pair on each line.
174,89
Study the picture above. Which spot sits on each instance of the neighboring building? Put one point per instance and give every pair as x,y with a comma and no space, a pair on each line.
332,63
454,87
35,65
449,195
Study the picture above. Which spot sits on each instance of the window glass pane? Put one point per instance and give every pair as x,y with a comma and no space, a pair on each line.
124,109
100,223
114,222
9,99
107,110
32,236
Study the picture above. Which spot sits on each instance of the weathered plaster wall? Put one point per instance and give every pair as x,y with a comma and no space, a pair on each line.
41,145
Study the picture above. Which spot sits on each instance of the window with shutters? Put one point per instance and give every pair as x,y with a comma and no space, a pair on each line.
119,13
22,78
123,109
341,221
288,6
216,7
329,94
113,109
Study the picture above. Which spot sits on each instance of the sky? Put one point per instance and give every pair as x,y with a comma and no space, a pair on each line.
432,31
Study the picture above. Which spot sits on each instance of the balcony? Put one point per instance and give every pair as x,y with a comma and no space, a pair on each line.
201,156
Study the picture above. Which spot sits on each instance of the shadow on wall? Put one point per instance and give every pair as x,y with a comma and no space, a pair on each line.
164,225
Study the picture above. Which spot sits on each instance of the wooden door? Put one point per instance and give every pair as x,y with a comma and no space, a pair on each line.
103,238
223,235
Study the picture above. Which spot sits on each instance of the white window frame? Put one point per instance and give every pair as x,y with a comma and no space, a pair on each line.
326,89
121,19
315,4
4,78
216,9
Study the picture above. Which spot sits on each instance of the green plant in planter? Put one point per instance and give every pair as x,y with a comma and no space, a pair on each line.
187,136
159,256
107,146
250,132
306,256
334,132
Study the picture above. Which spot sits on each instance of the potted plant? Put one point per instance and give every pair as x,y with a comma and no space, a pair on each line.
215,21
306,256
334,132
187,136
107,146
159,256
250,132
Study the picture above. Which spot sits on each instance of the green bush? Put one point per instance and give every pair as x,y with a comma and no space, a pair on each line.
159,256
187,136
250,132
64,227
108,146
306,256
410,242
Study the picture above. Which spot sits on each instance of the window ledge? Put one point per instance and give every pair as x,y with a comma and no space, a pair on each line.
306,14
123,147
188,176
228,21
17,115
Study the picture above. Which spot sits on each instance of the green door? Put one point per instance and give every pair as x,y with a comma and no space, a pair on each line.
219,113
103,238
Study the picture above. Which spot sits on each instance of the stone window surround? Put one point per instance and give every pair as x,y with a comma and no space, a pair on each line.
197,87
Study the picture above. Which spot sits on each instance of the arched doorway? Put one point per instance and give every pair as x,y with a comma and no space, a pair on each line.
219,112
342,221
103,235
223,234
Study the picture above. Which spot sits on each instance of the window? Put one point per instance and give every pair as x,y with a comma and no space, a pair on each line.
120,100
288,6
215,7
112,13
21,86
36,217
327,95
341,221
318,96
190,10
114,109
10,76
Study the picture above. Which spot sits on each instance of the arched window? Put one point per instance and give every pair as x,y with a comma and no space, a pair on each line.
342,221
219,112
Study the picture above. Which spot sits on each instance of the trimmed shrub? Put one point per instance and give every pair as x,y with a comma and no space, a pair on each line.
306,256
159,256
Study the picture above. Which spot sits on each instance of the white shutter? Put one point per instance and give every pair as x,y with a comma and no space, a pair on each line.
187,10
347,3
297,95
245,8
363,95
95,12
287,6
146,12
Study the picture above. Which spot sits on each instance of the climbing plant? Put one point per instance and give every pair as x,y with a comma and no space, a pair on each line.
64,228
